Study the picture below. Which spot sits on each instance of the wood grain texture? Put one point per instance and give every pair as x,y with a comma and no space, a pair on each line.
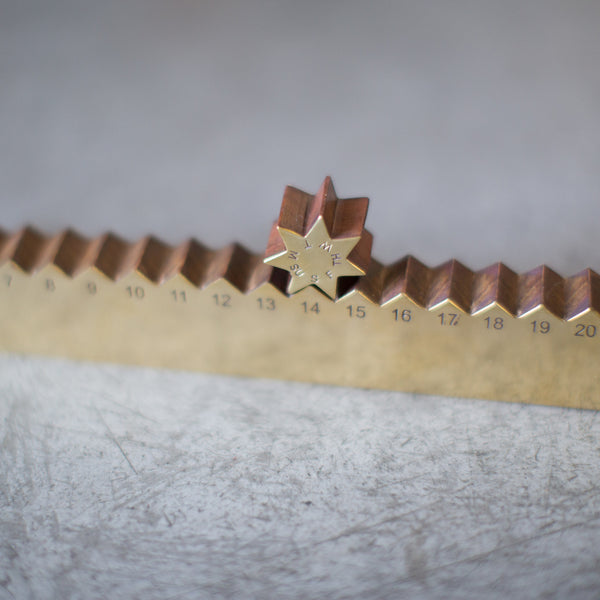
472,292
451,282
497,284
407,276
542,287
76,253
582,293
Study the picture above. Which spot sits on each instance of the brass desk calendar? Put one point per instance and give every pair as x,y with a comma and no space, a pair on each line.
315,307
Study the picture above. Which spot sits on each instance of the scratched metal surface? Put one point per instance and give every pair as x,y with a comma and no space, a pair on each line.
119,482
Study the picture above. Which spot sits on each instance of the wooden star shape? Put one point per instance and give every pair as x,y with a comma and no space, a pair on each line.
319,239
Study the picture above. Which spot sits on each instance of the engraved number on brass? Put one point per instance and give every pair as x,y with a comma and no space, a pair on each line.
50,287
497,323
402,315
540,326
222,300
135,292
450,319
266,304
357,312
179,296
588,331
91,288
314,308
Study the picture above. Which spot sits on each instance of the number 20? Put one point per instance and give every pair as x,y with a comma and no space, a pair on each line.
588,331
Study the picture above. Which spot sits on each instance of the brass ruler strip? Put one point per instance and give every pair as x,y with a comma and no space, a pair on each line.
493,334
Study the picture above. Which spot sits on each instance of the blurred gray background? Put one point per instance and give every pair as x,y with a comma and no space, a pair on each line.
475,129
473,126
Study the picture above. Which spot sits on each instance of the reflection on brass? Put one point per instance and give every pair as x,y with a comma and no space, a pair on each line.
446,330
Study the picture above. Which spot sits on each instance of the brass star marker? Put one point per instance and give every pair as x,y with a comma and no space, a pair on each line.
315,259
319,239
